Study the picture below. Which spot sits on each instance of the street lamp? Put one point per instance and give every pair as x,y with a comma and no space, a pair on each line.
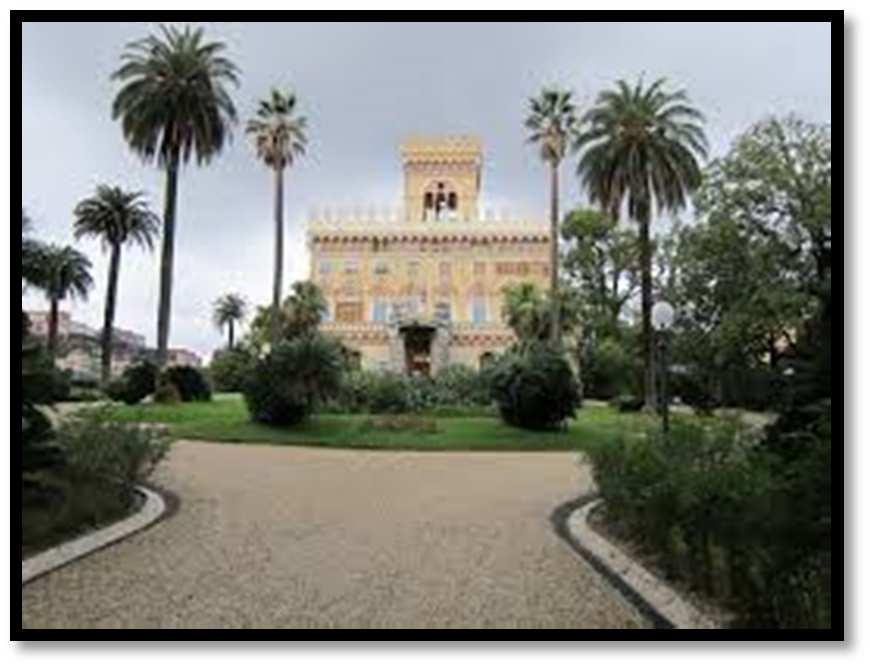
662,319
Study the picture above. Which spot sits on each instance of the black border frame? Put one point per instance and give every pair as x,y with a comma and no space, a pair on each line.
837,19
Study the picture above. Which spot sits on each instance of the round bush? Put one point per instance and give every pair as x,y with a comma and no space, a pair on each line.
284,387
229,369
137,382
190,382
534,387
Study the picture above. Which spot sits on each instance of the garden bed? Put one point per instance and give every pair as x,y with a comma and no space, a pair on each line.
618,533
56,508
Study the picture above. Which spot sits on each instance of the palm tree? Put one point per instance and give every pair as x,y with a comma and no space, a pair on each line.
643,145
228,310
303,309
172,104
524,310
65,273
552,123
116,217
31,253
279,138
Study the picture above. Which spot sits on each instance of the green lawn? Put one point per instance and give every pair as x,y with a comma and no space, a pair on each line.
226,419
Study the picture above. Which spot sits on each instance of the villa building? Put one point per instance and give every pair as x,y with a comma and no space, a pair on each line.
419,287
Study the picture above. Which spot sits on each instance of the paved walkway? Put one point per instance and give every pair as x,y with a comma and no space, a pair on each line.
303,537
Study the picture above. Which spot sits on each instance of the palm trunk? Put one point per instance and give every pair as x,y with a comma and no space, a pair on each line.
275,329
164,307
109,315
231,333
52,328
648,341
555,324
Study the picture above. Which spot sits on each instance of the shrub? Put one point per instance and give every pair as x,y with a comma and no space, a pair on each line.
137,382
392,393
355,392
458,384
166,393
285,386
726,516
85,394
190,382
96,447
534,387
627,403
229,369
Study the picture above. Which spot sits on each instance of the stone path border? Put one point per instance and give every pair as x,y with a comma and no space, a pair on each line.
663,606
152,510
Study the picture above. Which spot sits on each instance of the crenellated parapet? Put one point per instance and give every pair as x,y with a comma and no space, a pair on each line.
369,223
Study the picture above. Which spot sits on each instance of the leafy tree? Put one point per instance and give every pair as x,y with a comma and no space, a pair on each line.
279,137
117,218
750,275
65,273
775,184
173,103
552,124
601,260
227,311
641,146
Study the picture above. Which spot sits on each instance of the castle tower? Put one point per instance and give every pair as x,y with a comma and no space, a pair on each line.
442,177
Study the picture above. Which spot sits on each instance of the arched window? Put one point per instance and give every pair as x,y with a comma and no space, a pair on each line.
440,201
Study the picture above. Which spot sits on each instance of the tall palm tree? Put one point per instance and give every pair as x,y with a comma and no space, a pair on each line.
279,138
552,123
642,145
115,217
228,310
65,273
173,103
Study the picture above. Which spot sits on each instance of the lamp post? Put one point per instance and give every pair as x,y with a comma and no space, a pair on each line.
662,319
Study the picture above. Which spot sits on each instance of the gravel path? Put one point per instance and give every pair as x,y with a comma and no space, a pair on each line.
303,537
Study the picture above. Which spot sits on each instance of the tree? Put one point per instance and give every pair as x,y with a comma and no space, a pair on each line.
279,138
775,183
751,273
228,310
601,261
65,273
117,218
173,103
552,124
528,312
31,253
300,314
642,145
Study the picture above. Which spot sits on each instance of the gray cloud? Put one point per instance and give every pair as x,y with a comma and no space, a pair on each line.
364,87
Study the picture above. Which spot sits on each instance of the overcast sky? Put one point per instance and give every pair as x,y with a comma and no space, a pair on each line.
363,87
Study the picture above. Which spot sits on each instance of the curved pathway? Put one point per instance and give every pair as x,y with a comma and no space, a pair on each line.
301,537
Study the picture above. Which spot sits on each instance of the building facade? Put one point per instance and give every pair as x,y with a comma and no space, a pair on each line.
419,287
79,345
